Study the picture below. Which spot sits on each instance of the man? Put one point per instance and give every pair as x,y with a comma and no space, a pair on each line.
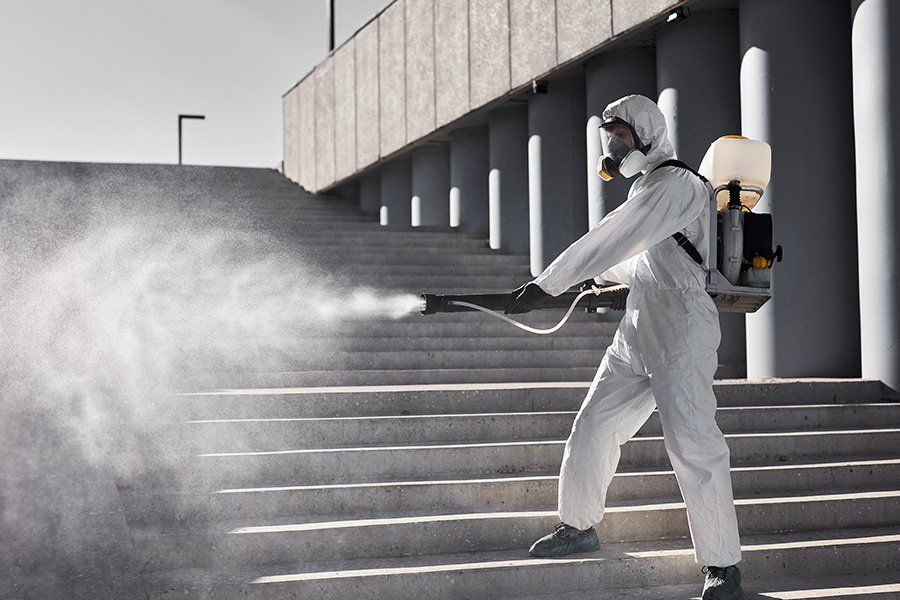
663,353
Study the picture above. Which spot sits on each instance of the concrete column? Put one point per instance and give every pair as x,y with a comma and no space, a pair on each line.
607,78
796,95
876,93
469,175
557,188
508,179
430,185
396,191
349,190
698,83
370,192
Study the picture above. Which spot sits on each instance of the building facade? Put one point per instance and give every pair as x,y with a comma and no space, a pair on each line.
482,115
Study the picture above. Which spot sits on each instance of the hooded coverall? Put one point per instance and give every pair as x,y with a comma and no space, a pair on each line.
663,353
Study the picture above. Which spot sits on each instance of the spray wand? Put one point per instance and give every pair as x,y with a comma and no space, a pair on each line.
591,298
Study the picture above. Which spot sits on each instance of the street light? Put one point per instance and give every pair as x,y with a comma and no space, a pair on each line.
181,118
329,14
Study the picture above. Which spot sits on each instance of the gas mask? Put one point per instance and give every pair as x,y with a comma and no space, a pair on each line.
620,153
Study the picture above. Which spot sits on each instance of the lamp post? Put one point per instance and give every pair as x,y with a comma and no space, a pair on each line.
180,119
329,9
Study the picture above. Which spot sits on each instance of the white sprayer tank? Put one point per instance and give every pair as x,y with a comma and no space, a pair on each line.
749,162
733,157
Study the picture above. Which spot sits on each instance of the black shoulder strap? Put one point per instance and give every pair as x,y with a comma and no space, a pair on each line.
674,162
679,237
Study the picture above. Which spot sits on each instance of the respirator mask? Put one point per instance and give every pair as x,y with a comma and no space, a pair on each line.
620,151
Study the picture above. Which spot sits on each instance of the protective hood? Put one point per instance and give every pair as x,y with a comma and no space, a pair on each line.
649,123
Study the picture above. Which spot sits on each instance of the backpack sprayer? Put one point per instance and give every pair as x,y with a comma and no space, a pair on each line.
736,171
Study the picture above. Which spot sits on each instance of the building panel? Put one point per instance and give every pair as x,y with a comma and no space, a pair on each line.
488,50
366,67
324,78
392,77
581,25
344,110
451,47
291,124
532,39
306,134
419,68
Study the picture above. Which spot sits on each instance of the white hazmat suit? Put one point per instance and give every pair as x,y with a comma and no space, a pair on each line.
663,353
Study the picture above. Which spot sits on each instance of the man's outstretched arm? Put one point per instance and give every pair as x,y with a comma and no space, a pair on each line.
660,209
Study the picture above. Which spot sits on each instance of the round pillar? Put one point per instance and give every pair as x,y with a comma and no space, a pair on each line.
698,83
508,163
876,92
370,192
796,95
557,188
396,193
469,177
431,184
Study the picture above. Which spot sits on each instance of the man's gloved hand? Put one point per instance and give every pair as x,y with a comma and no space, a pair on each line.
526,298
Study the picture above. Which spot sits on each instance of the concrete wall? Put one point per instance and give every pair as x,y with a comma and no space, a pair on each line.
419,68
368,127
306,136
391,78
324,79
451,60
579,24
345,111
489,50
532,39
421,64
292,150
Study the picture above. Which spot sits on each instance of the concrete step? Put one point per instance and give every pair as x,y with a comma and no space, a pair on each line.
351,248
287,214
305,466
413,258
483,344
450,359
274,541
277,202
513,573
384,377
366,233
374,400
461,270
230,435
284,222
546,316
868,586
482,328
437,282
282,379
491,493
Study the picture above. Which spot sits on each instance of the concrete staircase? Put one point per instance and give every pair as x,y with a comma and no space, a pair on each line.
418,458
425,461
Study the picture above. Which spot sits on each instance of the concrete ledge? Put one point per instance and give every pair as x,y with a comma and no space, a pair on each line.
438,61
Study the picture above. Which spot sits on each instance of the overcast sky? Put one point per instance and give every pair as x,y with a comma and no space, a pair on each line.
104,80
